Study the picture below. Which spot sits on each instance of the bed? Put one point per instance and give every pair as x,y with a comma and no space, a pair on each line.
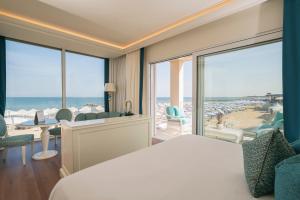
189,167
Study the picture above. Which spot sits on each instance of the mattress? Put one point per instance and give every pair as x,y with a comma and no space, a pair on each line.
185,168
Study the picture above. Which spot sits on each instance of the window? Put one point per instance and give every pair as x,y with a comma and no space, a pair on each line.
84,83
242,92
33,82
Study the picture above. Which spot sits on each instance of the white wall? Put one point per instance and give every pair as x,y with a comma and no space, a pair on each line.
248,23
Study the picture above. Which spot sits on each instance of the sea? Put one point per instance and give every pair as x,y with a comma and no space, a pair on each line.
41,103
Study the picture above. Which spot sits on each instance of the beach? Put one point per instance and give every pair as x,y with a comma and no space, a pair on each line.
245,114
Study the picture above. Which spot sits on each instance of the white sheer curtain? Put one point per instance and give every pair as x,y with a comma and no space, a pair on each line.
132,79
117,71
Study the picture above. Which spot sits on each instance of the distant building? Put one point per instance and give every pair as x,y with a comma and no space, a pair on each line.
274,98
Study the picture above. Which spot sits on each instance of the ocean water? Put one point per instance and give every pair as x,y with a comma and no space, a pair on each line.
40,103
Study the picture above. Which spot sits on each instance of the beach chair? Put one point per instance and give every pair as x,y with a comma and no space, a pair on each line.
62,114
174,115
12,141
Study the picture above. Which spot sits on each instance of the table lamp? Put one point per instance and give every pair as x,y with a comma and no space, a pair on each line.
110,88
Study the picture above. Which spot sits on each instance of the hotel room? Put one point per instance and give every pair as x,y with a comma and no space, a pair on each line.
149,100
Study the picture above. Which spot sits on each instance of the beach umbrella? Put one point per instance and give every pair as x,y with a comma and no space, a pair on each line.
85,109
99,109
21,112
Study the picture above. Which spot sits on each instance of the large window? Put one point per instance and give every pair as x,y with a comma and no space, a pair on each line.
35,82
84,83
242,92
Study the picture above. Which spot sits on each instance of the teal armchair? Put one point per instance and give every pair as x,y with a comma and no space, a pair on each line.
12,141
174,114
276,123
62,114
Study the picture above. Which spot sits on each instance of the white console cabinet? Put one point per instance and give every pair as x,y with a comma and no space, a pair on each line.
87,143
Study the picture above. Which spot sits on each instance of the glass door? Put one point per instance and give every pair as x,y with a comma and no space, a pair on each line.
240,92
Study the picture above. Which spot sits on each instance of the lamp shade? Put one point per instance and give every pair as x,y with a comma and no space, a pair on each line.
109,87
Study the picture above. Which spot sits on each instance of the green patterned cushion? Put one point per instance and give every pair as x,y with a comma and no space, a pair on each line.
102,115
114,114
55,131
260,157
287,180
80,117
18,140
64,114
90,116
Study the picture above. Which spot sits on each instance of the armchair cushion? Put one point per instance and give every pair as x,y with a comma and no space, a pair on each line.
296,146
18,140
287,179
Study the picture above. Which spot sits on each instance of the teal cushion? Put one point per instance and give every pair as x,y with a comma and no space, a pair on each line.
287,179
55,131
80,117
90,116
18,140
296,146
176,111
260,158
170,110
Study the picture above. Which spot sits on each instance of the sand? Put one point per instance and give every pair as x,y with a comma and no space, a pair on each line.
248,119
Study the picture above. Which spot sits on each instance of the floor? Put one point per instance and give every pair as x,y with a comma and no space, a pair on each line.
33,181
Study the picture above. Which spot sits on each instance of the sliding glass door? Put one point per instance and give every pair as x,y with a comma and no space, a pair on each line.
241,92
172,98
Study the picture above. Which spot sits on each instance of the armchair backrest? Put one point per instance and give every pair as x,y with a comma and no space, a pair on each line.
3,128
64,114
170,111
173,111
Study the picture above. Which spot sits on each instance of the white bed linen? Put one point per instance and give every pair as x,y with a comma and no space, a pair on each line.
186,168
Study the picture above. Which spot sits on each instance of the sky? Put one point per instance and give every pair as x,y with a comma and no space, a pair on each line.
34,71
253,71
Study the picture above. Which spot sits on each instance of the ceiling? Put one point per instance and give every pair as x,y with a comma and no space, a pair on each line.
119,24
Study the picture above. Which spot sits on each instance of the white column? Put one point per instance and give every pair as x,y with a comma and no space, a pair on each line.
176,83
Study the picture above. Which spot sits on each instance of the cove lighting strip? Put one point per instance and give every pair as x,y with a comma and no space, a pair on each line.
181,22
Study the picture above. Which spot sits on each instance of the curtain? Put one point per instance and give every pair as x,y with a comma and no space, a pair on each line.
106,80
117,69
291,69
133,79
141,81
2,75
